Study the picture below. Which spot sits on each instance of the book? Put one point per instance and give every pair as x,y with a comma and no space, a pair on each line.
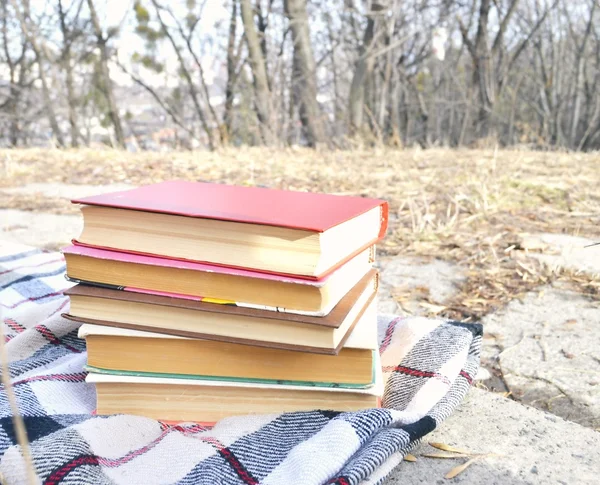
185,279
274,231
209,401
113,350
198,319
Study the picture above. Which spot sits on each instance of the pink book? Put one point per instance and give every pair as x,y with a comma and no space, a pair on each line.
116,262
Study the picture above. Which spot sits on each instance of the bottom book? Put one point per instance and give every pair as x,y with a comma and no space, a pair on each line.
173,399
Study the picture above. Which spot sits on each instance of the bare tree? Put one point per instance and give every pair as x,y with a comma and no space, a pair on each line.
483,56
580,51
232,71
70,32
175,117
33,38
107,88
305,72
262,91
363,69
171,29
14,54
492,64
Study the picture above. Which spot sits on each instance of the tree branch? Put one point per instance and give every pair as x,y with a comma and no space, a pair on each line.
465,36
185,72
188,43
503,25
158,99
526,41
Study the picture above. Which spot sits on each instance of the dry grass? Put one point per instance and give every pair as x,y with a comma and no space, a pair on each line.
473,207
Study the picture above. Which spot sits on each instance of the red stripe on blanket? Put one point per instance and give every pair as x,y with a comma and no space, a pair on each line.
57,476
388,334
35,298
237,466
14,325
31,266
230,457
466,376
79,377
110,462
338,481
53,339
416,373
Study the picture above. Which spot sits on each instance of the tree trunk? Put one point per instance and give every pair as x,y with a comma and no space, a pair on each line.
12,108
262,92
337,115
231,73
11,104
310,114
395,131
262,34
577,83
363,70
66,62
387,75
113,112
482,71
72,104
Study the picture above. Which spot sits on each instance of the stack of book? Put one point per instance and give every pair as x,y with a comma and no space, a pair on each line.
200,301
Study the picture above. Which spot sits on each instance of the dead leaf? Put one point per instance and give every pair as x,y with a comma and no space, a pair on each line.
445,455
461,468
431,307
411,458
445,447
571,321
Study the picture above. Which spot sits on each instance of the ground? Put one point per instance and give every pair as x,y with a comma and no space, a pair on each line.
502,237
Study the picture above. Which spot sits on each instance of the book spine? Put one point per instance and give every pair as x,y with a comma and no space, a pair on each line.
383,219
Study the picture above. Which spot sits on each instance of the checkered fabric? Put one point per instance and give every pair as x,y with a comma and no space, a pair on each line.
429,366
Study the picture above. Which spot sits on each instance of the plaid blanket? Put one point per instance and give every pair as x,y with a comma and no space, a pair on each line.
429,366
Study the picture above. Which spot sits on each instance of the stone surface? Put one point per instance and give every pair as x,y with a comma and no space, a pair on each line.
49,231
416,278
547,349
536,447
41,230
65,191
562,250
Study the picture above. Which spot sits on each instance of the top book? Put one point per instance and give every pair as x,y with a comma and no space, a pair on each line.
274,231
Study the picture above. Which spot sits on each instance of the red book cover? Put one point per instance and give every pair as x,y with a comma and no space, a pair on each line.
296,210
